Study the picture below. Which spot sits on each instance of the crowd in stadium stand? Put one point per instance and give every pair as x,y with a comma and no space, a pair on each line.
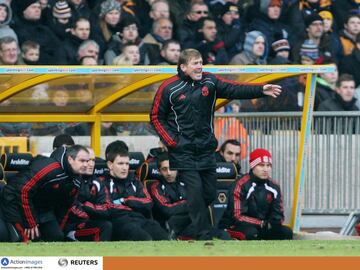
153,32
226,31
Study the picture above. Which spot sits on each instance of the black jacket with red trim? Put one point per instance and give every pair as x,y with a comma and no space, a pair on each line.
169,199
253,201
90,203
129,193
48,185
182,115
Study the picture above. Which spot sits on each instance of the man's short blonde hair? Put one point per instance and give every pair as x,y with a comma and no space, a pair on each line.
187,55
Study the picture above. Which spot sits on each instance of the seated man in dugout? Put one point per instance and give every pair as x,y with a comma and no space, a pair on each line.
130,201
255,209
230,152
169,197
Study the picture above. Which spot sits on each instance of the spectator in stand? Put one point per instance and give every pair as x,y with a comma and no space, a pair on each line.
88,48
350,64
128,33
153,42
60,98
46,10
292,92
5,20
105,27
332,33
79,8
300,10
61,19
28,27
83,94
216,6
309,53
130,55
178,9
40,95
170,52
230,29
212,49
344,99
9,52
269,22
88,61
342,8
280,51
325,86
230,151
349,33
79,32
315,32
254,50
30,52
188,29
159,9
255,208
141,13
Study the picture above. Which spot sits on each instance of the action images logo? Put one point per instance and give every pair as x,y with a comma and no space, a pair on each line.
5,261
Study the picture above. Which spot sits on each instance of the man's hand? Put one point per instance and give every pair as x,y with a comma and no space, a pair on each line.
272,90
32,233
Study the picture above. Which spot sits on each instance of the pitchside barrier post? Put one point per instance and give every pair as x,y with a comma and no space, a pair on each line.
95,116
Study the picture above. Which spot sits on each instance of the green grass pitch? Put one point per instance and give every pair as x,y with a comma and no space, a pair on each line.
186,248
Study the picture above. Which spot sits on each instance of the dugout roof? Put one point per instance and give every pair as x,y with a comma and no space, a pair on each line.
106,93
125,94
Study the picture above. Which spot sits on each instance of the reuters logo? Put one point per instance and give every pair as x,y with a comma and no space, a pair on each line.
63,262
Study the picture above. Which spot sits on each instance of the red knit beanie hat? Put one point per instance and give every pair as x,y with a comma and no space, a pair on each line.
259,155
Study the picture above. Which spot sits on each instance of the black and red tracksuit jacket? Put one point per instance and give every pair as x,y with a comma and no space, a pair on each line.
129,193
47,186
169,199
253,201
182,115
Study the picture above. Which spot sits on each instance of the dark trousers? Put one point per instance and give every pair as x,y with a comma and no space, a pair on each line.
253,232
201,192
136,227
4,233
181,225
95,230
50,231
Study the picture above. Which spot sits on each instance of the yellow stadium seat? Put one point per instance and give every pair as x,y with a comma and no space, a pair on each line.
13,145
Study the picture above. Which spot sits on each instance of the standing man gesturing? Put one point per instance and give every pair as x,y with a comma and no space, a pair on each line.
182,115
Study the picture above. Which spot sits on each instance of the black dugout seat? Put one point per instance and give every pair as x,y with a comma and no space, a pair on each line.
13,163
101,168
136,159
226,174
